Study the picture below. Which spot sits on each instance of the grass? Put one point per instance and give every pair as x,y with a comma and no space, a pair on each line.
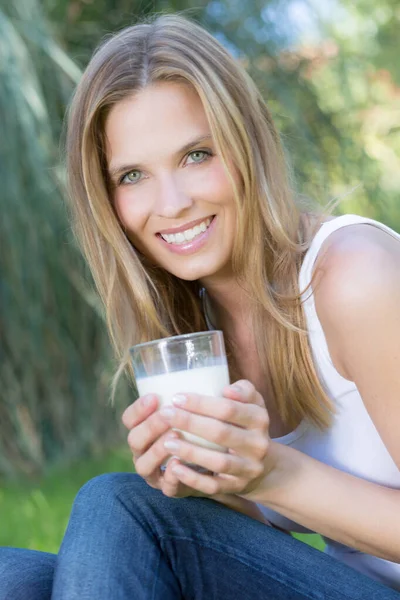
34,515
312,539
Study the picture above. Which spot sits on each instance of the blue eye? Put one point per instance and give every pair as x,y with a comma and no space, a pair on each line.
131,177
199,156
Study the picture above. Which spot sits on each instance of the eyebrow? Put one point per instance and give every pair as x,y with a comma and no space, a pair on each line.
115,170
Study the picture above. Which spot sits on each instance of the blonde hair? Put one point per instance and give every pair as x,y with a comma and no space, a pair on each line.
143,302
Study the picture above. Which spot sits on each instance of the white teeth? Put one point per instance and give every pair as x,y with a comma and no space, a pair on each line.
188,235
180,237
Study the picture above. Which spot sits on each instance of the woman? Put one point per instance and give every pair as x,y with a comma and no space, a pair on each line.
181,203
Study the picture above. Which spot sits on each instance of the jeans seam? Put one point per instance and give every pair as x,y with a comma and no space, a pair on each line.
156,577
155,537
144,525
240,559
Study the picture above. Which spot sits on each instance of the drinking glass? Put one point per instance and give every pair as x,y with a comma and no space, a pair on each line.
194,362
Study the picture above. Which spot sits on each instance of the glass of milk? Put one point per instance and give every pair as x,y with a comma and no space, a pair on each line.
194,362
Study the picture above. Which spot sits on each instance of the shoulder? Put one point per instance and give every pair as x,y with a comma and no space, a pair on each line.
357,287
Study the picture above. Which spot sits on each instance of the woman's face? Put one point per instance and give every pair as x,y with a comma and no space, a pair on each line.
170,189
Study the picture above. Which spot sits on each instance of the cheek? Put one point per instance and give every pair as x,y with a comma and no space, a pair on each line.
131,213
217,186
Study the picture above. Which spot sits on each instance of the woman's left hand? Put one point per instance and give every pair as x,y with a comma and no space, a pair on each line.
239,421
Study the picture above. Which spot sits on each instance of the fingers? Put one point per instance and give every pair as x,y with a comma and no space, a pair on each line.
141,437
148,463
205,485
171,486
139,410
238,421
229,410
212,460
244,391
243,441
146,427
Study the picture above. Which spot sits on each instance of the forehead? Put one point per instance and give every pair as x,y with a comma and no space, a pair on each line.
160,116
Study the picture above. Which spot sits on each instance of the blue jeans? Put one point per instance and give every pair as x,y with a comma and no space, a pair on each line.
127,541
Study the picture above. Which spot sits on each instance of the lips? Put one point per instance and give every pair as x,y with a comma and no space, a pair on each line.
187,235
189,246
186,226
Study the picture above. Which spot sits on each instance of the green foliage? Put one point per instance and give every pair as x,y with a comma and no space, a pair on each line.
312,539
37,513
83,24
335,105
55,366
358,89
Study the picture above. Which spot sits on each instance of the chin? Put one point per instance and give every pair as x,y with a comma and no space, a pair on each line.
192,273
190,268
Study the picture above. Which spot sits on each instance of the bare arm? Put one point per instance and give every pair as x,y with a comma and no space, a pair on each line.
358,303
347,509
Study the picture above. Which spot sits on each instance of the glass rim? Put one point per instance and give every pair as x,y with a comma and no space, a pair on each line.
174,338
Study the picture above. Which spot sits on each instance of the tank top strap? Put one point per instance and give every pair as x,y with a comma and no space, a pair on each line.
206,311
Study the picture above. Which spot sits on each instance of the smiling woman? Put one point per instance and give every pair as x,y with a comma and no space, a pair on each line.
145,114
181,203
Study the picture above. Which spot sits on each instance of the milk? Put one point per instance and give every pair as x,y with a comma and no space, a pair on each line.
208,381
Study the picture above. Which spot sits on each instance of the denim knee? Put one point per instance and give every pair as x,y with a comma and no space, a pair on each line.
110,486
26,574
112,496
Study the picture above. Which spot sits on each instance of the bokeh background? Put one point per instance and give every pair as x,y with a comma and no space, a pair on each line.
330,73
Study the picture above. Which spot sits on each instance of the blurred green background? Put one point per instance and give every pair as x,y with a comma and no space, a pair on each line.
329,70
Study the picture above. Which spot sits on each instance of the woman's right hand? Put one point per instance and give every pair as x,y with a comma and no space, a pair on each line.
147,434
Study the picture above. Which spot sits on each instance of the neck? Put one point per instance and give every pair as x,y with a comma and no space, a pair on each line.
228,304
230,310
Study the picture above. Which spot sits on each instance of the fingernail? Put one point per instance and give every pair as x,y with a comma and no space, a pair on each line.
177,470
167,412
146,400
179,399
171,445
236,388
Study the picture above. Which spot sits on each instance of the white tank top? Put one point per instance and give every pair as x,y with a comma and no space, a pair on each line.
352,443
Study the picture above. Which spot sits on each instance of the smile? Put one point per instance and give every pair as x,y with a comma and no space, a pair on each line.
188,235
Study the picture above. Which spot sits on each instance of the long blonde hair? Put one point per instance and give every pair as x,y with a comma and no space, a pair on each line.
143,302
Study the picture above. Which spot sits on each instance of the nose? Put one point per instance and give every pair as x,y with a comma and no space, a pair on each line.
172,199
